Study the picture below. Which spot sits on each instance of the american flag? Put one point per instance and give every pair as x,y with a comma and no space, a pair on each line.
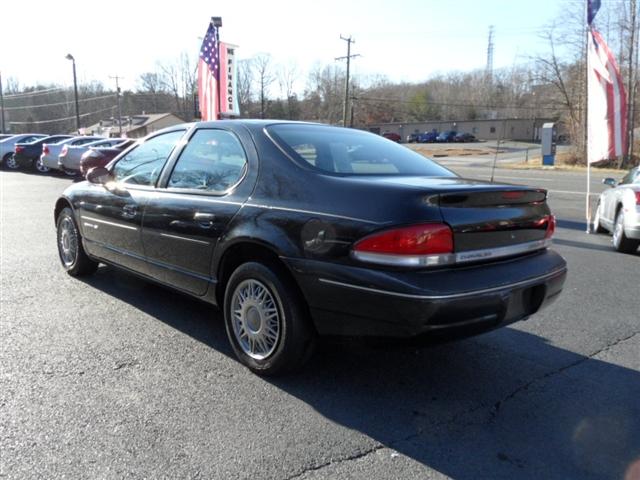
606,106
209,74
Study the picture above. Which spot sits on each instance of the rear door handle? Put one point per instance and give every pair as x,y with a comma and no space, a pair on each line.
204,220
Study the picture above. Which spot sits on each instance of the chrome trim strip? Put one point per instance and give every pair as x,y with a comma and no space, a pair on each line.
90,225
310,212
445,297
177,237
128,227
450,258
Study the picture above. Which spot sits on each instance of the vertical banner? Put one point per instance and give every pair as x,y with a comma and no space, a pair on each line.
228,80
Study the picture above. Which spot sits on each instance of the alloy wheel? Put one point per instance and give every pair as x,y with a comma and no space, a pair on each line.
11,163
40,167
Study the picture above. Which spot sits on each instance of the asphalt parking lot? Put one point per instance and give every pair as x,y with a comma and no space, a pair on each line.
113,377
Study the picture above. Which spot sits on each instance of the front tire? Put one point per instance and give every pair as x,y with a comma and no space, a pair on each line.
621,242
266,319
40,167
72,255
597,226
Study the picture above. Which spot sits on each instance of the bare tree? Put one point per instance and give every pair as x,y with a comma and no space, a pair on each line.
263,68
288,75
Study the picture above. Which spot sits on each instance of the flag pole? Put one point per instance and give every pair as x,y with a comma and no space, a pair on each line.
586,116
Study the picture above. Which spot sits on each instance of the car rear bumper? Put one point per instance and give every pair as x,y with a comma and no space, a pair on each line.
23,161
68,163
346,300
50,161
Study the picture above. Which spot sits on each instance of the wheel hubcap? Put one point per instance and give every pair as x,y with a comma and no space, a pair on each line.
68,241
11,162
40,167
255,319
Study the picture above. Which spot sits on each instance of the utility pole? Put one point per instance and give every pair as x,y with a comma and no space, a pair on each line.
1,106
490,46
117,79
348,57
631,78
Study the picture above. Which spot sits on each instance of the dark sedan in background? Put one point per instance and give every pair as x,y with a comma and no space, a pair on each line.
447,137
27,155
298,229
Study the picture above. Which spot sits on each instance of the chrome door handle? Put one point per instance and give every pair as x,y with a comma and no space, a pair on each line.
129,211
204,220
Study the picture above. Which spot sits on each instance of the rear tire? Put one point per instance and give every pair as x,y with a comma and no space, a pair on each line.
267,320
597,226
621,242
72,255
9,162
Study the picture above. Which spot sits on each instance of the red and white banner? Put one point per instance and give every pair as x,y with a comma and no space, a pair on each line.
228,83
607,105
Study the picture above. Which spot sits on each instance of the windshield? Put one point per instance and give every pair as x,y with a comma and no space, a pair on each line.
351,152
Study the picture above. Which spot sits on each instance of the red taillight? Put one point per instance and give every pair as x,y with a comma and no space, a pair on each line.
64,151
551,226
426,239
637,198
19,149
514,195
45,149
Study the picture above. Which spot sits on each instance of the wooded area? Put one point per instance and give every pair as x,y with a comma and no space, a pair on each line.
551,84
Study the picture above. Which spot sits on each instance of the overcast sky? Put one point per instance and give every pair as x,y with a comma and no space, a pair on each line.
403,39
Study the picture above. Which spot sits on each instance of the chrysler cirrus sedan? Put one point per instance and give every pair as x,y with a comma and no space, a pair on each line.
296,230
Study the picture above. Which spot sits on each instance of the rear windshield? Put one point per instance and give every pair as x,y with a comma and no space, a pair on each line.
351,152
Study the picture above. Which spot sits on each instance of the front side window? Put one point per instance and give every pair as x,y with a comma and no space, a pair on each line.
213,161
351,152
142,165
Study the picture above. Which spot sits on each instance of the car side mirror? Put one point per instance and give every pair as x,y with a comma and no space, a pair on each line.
98,175
609,181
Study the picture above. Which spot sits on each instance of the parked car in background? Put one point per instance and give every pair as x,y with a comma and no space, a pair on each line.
70,155
100,156
447,137
463,137
428,137
392,136
50,151
7,147
298,229
413,137
5,135
27,155
618,211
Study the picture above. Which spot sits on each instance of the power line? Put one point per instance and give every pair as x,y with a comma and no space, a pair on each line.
34,93
29,107
37,122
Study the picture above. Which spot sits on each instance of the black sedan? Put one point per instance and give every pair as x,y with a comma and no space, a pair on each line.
298,229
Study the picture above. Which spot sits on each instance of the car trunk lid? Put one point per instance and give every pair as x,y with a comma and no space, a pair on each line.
493,216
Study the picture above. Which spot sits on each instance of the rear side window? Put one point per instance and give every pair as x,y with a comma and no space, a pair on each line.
351,152
213,160
143,164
